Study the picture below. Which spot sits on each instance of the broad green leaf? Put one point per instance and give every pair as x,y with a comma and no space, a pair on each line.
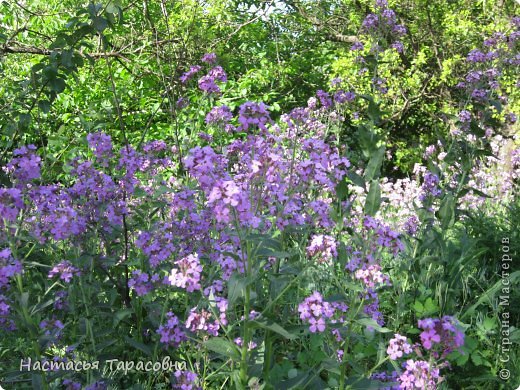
223,347
373,200
276,328
140,346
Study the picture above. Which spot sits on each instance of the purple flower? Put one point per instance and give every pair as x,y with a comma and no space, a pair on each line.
207,84
464,116
251,345
25,165
430,186
200,321
357,46
324,98
187,273
209,58
101,146
342,96
65,270
399,30
219,115
314,311
371,22
11,203
442,332
140,282
194,69
398,346
185,380
398,46
9,267
253,114
322,247
218,73
171,333
476,55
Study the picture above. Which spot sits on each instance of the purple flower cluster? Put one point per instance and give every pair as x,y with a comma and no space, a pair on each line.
11,203
9,267
208,84
384,20
315,311
250,346
398,346
142,283
5,310
171,333
65,270
220,115
253,114
323,248
101,146
372,276
198,321
419,375
25,165
52,328
440,334
71,385
187,275
185,380
209,58
187,76
430,186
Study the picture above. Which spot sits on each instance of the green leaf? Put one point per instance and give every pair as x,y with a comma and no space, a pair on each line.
24,120
373,200
489,324
356,179
342,190
120,315
446,212
274,327
222,347
373,324
99,23
373,168
418,307
430,307
57,84
44,106
236,288
138,345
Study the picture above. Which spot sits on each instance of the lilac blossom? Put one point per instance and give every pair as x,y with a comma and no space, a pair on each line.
171,332
190,73
219,115
25,165
315,312
9,267
209,58
185,380
65,270
187,274
253,114
200,321
398,346
323,247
